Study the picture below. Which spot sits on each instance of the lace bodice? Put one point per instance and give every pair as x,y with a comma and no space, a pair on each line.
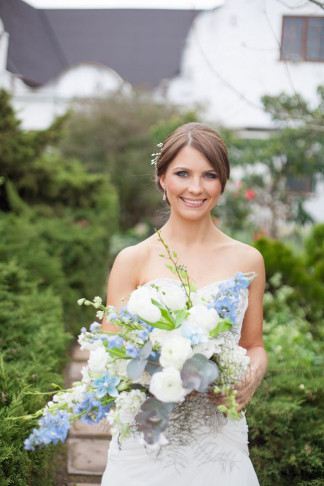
208,293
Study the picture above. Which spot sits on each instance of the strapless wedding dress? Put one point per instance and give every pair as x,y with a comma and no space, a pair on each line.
216,455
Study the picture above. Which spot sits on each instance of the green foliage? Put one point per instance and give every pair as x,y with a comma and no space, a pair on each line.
32,345
117,136
56,221
315,252
308,292
285,416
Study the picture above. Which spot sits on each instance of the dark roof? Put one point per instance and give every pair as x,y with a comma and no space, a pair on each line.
143,46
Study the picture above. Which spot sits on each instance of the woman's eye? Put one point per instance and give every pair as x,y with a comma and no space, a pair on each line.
211,175
182,173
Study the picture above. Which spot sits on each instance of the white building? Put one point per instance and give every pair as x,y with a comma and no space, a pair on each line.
222,60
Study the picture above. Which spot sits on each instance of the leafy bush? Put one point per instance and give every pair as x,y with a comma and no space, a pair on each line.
32,345
308,292
285,416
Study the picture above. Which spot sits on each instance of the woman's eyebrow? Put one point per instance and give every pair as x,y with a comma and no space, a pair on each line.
189,170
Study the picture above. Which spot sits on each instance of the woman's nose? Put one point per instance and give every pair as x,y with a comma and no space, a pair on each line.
195,186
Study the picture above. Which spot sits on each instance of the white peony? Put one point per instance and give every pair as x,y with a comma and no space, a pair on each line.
205,318
166,385
175,351
98,360
140,304
174,298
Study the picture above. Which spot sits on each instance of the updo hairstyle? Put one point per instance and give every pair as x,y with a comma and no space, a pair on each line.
203,139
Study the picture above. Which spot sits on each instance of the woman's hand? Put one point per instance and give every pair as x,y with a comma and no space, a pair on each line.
247,387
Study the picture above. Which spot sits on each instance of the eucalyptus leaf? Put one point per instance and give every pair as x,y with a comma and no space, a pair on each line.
198,373
135,368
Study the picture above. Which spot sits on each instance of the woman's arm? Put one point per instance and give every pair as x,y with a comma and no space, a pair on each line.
251,336
122,281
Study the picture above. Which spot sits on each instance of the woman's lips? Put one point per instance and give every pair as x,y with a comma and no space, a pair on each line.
193,203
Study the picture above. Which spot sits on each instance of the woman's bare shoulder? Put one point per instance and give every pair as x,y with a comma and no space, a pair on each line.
249,257
132,258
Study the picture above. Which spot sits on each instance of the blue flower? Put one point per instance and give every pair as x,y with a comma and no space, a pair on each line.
192,332
52,428
115,341
95,326
106,385
132,352
92,409
142,334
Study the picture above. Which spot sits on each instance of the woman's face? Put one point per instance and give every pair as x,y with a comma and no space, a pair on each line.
192,183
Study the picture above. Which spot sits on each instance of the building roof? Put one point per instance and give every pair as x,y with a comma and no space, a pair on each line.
142,46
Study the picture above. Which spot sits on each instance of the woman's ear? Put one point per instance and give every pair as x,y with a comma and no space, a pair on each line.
162,180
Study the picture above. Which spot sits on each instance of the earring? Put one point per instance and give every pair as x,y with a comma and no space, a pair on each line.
164,193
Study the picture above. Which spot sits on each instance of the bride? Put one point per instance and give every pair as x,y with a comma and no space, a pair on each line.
191,172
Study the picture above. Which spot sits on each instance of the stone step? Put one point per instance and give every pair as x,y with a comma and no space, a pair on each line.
78,355
74,372
84,429
87,456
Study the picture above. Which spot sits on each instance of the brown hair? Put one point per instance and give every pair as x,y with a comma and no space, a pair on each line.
202,138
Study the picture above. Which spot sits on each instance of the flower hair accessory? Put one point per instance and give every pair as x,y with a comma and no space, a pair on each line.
157,155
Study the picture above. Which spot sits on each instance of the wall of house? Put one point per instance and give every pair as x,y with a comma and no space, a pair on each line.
232,58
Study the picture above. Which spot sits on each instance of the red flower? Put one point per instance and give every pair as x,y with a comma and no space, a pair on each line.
249,194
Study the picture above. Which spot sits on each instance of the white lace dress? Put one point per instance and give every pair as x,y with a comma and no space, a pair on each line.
216,454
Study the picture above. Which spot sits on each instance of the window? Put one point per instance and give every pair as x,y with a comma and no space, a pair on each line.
302,39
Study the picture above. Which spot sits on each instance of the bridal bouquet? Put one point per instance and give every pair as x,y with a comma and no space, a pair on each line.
170,342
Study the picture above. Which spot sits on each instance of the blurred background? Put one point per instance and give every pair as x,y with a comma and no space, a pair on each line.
88,89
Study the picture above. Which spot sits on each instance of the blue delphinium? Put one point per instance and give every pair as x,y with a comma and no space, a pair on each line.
92,409
115,341
193,332
106,385
52,428
95,326
132,352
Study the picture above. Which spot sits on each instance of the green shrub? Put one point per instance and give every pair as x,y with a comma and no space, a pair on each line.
308,291
32,344
285,416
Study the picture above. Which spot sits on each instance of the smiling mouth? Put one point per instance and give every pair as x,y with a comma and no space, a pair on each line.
196,203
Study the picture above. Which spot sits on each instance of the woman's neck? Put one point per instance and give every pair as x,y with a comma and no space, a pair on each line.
186,233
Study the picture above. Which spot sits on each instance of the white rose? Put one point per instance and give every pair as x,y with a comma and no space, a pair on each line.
175,351
174,298
140,304
207,319
166,385
98,360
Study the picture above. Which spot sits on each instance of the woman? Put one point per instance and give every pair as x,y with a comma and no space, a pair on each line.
191,171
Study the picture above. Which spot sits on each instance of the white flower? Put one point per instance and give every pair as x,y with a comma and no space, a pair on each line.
208,348
175,351
81,301
118,367
140,304
97,302
98,360
205,318
100,314
174,298
85,375
161,336
166,385
87,341
128,405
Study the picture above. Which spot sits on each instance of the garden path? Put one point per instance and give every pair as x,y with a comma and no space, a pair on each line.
87,445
